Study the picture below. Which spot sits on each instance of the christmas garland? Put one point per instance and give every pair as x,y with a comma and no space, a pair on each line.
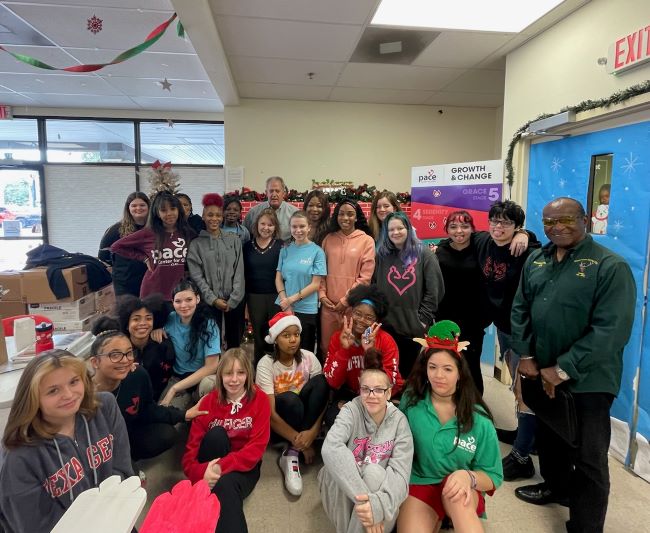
586,105
363,193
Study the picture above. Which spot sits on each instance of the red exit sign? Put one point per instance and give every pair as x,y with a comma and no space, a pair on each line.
629,51
5,112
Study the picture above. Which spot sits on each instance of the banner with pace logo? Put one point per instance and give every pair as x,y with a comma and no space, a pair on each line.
437,190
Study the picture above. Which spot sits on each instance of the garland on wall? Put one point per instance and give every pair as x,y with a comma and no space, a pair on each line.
362,193
586,105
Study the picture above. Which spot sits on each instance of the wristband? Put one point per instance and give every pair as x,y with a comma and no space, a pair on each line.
282,291
521,230
473,478
300,294
526,358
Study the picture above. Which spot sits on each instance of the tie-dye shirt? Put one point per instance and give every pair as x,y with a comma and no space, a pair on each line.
275,378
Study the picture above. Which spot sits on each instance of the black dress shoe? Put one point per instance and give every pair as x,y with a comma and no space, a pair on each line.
540,494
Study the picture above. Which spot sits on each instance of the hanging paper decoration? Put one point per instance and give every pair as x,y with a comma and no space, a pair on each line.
94,25
156,34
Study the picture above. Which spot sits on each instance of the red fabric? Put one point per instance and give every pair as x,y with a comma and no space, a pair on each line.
344,366
249,431
432,496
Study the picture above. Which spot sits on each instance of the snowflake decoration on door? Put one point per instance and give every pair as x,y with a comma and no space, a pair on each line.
630,164
556,164
94,25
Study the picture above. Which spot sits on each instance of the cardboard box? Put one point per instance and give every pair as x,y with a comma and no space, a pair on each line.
65,311
105,299
8,309
11,286
66,326
36,288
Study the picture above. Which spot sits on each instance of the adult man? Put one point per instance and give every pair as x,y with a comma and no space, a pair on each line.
275,193
571,319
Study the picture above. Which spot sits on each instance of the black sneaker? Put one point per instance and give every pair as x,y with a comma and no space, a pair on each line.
514,469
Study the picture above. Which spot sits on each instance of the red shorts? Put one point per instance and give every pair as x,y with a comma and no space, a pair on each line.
432,496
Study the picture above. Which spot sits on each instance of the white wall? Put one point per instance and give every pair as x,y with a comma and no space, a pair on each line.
363,143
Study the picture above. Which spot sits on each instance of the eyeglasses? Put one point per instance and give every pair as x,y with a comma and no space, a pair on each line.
116,356
503,223
377,391
567,220
358,315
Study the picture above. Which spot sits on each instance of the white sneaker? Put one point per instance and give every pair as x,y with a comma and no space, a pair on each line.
290,467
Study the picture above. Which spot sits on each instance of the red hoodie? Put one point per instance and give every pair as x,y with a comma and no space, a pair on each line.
345,366
249,431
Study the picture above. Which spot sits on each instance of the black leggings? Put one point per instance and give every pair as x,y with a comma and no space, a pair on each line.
302,410
308,335
232,329
150,440
232,488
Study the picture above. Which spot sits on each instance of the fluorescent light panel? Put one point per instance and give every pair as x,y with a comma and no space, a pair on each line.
510,16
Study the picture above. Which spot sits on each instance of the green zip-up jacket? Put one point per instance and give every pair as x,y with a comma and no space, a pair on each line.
577,313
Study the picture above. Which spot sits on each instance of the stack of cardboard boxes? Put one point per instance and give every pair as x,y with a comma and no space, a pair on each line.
27,292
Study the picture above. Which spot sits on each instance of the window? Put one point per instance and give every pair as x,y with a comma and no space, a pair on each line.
182,143
600,183
90,141
19,140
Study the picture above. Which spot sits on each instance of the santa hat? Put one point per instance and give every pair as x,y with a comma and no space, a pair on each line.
279,323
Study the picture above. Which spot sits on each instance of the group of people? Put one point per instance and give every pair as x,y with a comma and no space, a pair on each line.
356,329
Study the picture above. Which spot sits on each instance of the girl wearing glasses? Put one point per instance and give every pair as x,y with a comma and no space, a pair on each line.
361,337
60,440
367,457
150,426
456,459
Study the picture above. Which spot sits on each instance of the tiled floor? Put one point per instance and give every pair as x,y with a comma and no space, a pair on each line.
270,508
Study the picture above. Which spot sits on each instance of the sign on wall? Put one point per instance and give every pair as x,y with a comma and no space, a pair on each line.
437,190
629,51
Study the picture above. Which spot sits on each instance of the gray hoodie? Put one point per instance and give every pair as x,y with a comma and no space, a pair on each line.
217,267
39,482
355,441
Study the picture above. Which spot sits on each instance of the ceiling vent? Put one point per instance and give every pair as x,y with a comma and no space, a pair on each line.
391,46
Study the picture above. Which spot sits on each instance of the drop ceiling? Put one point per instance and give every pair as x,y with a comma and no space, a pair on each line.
272,49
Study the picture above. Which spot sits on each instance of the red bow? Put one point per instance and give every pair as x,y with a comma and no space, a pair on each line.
157,164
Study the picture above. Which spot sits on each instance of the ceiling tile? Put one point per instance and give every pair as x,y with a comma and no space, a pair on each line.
494,62
459,99
141,4
283,92
208,105
151,88
57,83
479,81
284,71
16,99
287,39
342,11
461,49
83,100
47,54
396,76
379,96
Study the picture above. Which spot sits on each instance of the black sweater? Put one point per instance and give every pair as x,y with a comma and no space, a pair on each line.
157,359
127,273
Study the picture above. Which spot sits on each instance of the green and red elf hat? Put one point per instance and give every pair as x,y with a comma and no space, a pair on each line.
444,335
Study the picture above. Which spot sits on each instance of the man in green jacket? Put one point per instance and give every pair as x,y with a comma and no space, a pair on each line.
571,318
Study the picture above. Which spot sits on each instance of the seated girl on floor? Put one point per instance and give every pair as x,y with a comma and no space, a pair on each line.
298,393
56,425
226,446
456,459
150,426
197,343
367,457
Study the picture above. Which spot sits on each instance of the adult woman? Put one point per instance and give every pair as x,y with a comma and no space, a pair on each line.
195,221
317,208
216,266
137,319
456,457
55,432
226,446
161,246
300,268
197,344
408,274
368,453
150,426
384,203
361,337
350,253
127,273
261,256
232,219
298,393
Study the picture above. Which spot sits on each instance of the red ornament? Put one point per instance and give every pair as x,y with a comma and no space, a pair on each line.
94,24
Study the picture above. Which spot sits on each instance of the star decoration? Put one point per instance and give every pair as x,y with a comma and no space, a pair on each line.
94,25
166,85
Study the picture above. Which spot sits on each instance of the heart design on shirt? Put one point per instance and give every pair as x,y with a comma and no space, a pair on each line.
402,282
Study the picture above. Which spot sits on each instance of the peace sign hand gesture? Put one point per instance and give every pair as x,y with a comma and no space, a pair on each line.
347,337
369,336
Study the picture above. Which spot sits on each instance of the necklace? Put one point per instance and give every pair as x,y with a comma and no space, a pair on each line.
262,251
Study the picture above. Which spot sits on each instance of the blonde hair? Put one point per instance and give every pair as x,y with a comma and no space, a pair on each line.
226,363
25,424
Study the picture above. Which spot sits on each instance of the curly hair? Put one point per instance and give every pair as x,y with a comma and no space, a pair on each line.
372,293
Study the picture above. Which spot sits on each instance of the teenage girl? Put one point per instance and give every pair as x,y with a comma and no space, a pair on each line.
195,221
299,272
232,219
382,205
162,245
317,208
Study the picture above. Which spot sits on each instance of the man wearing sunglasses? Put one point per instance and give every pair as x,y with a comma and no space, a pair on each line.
571,318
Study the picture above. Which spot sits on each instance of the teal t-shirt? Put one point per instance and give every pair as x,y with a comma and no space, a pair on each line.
438,451
179,333
298,264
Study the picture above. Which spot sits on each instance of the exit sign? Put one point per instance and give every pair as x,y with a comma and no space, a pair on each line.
5,112
629,51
